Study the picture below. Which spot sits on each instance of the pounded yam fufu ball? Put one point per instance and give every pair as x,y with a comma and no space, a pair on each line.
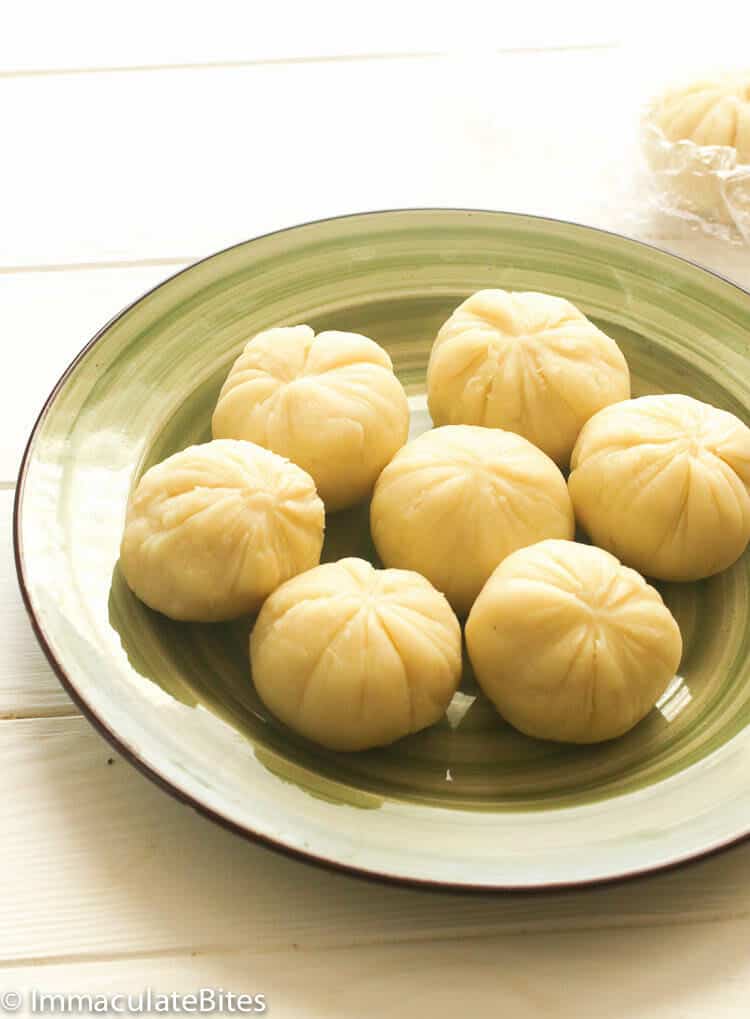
569,644
456,501
710,111
330,403
697,139
662,482
212,530
353,657
525,362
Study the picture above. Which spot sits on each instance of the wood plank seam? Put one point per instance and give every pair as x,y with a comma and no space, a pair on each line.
24,715
126,263
478,935
343,58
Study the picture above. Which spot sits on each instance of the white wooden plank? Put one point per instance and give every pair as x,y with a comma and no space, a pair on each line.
207,158
185,162
45,319
27,684
691,973
672,41
40,34
118,867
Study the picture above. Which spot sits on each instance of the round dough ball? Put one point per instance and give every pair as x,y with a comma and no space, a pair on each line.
353,657
212,530
529,363
330,403
696,139
713,111
459,499
569,644
662,482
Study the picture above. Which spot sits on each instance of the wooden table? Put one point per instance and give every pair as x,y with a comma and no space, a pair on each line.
132,144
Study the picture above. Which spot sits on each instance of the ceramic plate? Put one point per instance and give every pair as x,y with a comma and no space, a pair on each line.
469,803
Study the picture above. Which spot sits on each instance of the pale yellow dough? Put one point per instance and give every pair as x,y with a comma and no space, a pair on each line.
697,140
329,403
212,530
663,482
353,657
569,644
713,111
526,362
457,500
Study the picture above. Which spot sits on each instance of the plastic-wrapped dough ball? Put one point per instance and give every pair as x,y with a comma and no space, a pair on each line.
353,657
330,403
663,483
569,644
697,141
212,530
526,362
713,111
457,500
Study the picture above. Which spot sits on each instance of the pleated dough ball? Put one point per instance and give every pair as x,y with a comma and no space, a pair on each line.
662,483
353,657
713,111
696,139
569,644
330,403
459,499
212,530
526,362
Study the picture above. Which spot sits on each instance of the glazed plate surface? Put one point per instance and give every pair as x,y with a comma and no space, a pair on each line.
469,803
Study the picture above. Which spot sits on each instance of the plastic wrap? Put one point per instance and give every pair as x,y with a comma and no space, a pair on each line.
705,186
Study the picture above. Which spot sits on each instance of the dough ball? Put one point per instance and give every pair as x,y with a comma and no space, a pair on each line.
529,363
459,499
211,531
697,141
713,111
329,403
569,644
353,657
662,482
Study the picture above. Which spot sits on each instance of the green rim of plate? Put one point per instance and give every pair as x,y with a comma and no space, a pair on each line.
469,803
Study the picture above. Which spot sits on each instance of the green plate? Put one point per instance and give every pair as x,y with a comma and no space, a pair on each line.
469,803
